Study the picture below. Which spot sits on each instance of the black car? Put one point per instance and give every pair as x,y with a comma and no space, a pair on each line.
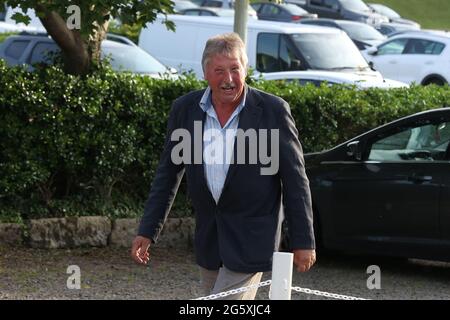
386,191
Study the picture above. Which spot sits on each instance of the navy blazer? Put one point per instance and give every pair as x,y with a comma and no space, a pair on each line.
240,231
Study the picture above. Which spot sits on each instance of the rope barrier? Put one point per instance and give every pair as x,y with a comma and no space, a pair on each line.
281,283
269,282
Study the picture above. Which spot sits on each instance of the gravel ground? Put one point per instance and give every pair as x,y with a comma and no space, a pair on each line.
109,273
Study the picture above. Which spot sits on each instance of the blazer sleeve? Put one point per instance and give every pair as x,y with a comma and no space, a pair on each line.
164,187
295,184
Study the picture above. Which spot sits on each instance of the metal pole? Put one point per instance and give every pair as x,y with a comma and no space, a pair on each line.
281,276
240,18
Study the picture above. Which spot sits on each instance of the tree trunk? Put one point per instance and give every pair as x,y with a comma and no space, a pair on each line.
78,53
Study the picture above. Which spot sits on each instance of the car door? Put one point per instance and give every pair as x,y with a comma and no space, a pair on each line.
394,194
389,59
419,59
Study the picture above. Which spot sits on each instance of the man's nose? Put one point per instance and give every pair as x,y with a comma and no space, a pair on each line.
228,77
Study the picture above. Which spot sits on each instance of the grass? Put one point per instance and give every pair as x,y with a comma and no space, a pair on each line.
431,14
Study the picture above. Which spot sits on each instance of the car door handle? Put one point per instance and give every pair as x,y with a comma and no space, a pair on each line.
420,178
393,62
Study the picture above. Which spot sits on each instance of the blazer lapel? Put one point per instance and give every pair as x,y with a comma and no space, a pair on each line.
199,116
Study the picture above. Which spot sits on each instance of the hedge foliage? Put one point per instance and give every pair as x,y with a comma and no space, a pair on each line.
75,146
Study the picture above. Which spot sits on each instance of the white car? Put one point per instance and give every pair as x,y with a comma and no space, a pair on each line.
361,81
420,57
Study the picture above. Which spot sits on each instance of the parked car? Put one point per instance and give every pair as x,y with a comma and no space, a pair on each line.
392,15
39,49
225,4
391,28
355,10
421,57
386,191
271,47
363,35
208,12
284,12
318,77
179,5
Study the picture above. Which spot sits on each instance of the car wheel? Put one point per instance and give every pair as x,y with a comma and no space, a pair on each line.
434,80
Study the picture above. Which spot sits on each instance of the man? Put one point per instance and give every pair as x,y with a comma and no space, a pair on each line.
237,205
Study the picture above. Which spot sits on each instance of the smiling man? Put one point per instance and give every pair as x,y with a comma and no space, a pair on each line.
238,210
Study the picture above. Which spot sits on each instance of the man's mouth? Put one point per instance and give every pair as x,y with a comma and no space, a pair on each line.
228,88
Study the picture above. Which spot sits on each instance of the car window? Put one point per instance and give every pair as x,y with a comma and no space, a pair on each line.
132,59
331,4
270,9
294,9
392,47
267,52
361,31
43,52
288,58
256,6
191,12
207,13
384,30
16,48
422,46
422,143
340,53
316,2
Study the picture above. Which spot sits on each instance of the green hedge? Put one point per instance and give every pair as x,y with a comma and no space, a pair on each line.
72,146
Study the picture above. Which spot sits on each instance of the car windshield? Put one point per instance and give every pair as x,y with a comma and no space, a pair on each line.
329,51
355,5
133,59
361,31
388,12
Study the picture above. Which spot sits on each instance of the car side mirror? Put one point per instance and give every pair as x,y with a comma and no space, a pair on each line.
354,150
372,51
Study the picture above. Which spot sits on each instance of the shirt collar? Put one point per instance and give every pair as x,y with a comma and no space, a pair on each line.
206,102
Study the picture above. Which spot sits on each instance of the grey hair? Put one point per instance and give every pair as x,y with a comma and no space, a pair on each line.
228,44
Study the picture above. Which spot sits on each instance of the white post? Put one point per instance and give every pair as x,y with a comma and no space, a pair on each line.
281,276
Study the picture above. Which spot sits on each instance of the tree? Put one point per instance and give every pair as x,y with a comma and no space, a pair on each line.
79,26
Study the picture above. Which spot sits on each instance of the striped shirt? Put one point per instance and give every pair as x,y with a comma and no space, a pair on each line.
218,143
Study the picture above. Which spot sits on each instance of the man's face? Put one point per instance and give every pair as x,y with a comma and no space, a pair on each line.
226,78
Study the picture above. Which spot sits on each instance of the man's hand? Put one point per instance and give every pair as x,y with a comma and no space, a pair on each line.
304,259
139,250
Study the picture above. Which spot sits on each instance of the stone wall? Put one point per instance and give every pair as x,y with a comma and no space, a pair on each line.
92,231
